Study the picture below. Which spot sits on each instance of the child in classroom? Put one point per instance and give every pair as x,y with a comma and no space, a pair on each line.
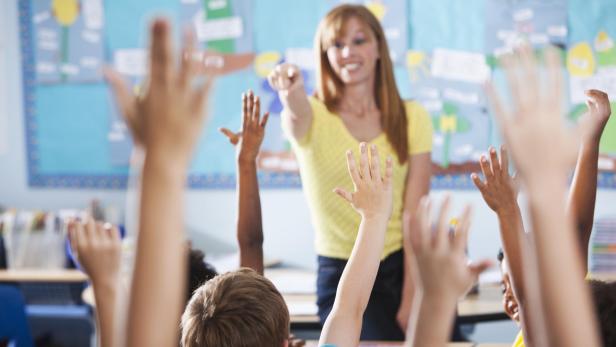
500,193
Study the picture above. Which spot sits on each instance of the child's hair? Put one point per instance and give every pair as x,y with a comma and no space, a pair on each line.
500,256
604,297
199,272
239,308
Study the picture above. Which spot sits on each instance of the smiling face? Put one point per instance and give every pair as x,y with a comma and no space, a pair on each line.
510,303
353,54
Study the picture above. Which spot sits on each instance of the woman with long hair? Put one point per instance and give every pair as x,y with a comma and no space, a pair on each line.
356,100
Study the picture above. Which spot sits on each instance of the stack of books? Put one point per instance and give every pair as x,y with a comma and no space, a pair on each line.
603,246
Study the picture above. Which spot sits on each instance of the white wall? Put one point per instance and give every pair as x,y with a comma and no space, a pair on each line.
210,214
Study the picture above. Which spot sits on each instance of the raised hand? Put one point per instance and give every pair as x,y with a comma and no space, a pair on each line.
169,115
499,189
250,138
537,133
286,78
373,192
599,111
98,249
441,258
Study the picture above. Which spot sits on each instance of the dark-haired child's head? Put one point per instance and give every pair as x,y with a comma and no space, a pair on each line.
199,271
239,308
604,297
510,303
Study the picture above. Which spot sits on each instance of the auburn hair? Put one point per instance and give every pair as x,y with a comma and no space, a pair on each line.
329,87
236,309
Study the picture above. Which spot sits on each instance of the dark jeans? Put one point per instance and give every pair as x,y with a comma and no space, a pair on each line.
380,315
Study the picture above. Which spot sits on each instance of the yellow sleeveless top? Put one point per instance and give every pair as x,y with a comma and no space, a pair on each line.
322,164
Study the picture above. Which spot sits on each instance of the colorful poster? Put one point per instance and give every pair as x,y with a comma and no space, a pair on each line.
591,64
448,84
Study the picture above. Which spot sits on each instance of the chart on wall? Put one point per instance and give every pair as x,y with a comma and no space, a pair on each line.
443,53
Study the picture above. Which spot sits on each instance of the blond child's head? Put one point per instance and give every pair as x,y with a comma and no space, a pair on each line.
239,308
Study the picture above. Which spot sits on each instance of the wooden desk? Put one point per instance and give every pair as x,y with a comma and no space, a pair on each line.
39,275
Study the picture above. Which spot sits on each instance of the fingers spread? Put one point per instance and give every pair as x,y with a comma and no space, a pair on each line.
375,164
256,111
442,227
264,120
494,163
486,170
187,64
421,239
477,181
161,53
352,167
389,171
504,160
233,137
344,194
363,161
462,228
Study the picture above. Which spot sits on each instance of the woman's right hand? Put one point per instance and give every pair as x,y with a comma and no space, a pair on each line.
286,78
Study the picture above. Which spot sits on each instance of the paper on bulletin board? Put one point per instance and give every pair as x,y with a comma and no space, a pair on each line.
538,22
69,40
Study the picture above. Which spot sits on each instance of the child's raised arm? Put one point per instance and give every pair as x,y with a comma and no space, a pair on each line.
98,249
500,193
372,199
168,118
543,150
583,192
249,221
444,271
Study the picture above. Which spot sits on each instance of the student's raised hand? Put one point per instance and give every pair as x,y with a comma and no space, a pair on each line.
98,248
599,111
168,116
127,103
250,138
373,191
286,78
499,189
443,266
541,145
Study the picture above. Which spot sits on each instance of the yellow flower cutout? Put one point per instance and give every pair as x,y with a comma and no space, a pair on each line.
65,11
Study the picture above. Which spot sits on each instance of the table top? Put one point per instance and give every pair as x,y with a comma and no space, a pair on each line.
312,343
42,275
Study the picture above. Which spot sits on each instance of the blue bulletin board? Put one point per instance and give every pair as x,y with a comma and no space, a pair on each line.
443,52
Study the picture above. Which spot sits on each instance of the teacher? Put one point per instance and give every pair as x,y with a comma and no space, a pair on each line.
356,100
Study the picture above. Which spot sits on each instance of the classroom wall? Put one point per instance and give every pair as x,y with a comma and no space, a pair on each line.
210,215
